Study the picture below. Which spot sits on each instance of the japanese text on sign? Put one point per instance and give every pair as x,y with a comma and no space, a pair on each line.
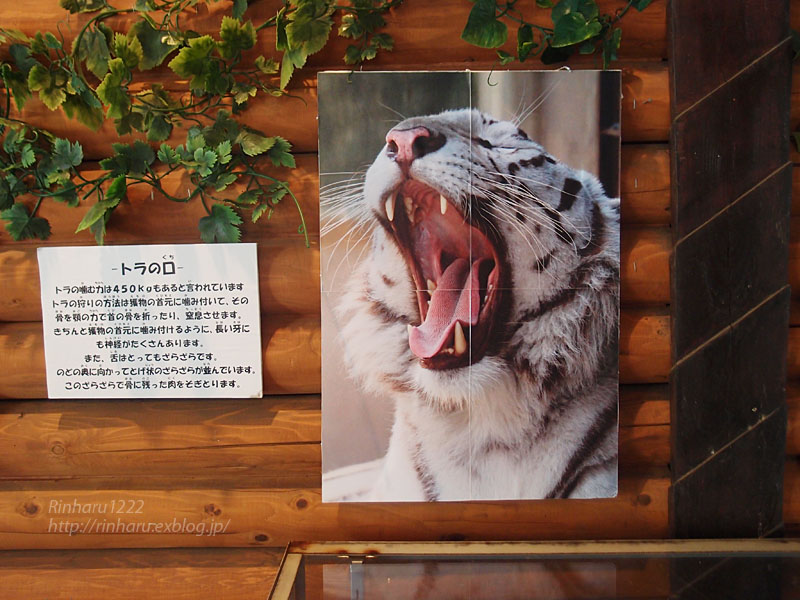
151,321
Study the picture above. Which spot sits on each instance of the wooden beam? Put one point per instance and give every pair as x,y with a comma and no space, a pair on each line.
273,440
291,351
645,108
269,518
731,181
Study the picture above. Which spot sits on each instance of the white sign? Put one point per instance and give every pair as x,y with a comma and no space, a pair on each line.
178,321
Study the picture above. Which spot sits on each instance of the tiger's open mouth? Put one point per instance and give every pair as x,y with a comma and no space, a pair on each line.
456,270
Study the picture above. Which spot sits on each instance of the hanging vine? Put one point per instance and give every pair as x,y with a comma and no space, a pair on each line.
102,76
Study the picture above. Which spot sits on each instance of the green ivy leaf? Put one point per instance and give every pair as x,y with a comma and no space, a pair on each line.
250,196
224,152
39,78
292,59
253,142
103,208
66,155
81,6
205,161
133,159
224,181
113,89
27,156
159,129
12,140
6,195
243,92
277,191
17,84
280,153
483,29
259,211
67,194
235,37
22,226
95,213
309,26
610,46
222,225
98,228
586,8
268,66
93,50
195,61
239,6
351,27
22,58
544,3
504,57
42,81
640,5
155,45
525,42
195,140
572,29
76,108
352,55
552,55
168,155
129,49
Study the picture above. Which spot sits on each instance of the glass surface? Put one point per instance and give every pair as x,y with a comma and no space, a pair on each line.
696,575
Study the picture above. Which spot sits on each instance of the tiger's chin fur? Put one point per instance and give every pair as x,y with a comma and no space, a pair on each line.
532,412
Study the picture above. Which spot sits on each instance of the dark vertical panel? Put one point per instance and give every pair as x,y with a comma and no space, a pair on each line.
712,40
610,130
730,69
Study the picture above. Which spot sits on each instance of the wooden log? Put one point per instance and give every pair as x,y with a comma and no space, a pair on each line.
793,419
150,217
270,518
289,275
291,353
177,574
274,441
420,30
791,496
645,110
644,184
793,359
288,279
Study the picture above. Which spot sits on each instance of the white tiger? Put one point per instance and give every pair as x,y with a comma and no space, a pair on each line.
488,308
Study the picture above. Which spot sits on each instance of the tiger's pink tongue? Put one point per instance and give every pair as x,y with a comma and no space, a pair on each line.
455,299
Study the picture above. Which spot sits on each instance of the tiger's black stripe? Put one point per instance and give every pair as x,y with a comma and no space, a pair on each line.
569,193
595,244
576,466
424,476
558,227
541,264
383,312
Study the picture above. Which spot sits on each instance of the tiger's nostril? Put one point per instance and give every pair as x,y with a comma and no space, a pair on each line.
406,145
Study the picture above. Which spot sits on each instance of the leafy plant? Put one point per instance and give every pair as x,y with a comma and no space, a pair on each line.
95,79
577,25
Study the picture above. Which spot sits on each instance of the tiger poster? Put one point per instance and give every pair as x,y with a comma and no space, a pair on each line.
469,247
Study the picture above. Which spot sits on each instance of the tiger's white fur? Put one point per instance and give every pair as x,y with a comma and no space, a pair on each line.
536,416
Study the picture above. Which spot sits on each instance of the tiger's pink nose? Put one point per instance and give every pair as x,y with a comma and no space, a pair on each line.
402,145
407,145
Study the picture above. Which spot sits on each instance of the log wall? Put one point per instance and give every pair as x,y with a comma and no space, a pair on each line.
255,464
